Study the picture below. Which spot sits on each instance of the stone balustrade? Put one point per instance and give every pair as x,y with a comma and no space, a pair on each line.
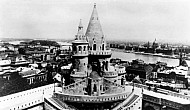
110,74
179,95
81,53
133,105
91,99
163,90
102,52
120,106
113,83
74,85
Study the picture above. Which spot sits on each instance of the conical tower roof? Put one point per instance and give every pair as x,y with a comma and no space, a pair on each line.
94,31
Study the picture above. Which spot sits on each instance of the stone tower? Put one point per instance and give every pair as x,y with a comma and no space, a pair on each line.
80,54
94,33
98,53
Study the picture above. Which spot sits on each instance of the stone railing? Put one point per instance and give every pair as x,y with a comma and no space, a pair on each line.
100,52
120,106
179,95
110,74
161,101
73,85
162,91
81,53
113,83
138,85
92,99
134,104
120,69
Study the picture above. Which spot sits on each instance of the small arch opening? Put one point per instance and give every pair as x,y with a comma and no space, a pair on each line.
94,46
102,46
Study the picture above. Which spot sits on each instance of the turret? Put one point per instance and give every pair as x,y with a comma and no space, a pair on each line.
80,54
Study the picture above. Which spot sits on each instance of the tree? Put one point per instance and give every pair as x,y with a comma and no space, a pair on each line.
49,70
15,84
22,51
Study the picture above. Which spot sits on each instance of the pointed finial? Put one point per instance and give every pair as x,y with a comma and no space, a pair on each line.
94,5
80,23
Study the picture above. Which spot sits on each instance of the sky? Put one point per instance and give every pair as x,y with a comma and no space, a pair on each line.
127,20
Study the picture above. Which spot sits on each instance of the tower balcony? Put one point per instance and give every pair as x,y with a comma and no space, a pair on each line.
110,74
81,53
100,52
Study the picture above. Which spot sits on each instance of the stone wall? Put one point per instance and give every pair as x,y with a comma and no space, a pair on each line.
26,99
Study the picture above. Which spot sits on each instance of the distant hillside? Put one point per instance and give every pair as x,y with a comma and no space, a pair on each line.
14,39
44,43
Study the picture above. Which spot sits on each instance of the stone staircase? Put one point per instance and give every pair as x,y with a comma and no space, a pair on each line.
126,103
59,105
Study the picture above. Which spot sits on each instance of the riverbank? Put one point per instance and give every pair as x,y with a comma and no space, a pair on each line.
146,58
149,54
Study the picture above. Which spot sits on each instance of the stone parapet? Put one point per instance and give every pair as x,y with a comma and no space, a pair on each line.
91,99
109,74
81,53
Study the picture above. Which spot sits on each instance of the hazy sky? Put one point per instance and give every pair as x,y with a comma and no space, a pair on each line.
165,20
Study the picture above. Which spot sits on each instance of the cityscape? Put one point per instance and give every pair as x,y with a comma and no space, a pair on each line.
90,71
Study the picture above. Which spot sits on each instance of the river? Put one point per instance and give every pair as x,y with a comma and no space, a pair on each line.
145,58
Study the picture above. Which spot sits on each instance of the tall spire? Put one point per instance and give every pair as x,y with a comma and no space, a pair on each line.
80,34
80,24
94,5
80,29
94,31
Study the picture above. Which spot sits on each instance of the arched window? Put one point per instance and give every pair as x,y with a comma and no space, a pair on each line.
79,37
74,48
102,46
94,46
80,48
84,49
95,88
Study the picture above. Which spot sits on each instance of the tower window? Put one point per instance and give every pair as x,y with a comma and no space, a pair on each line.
102,46
74,48
84,48
94,46
95,88
80,48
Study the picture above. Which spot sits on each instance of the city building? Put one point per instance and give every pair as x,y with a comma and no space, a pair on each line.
86,78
